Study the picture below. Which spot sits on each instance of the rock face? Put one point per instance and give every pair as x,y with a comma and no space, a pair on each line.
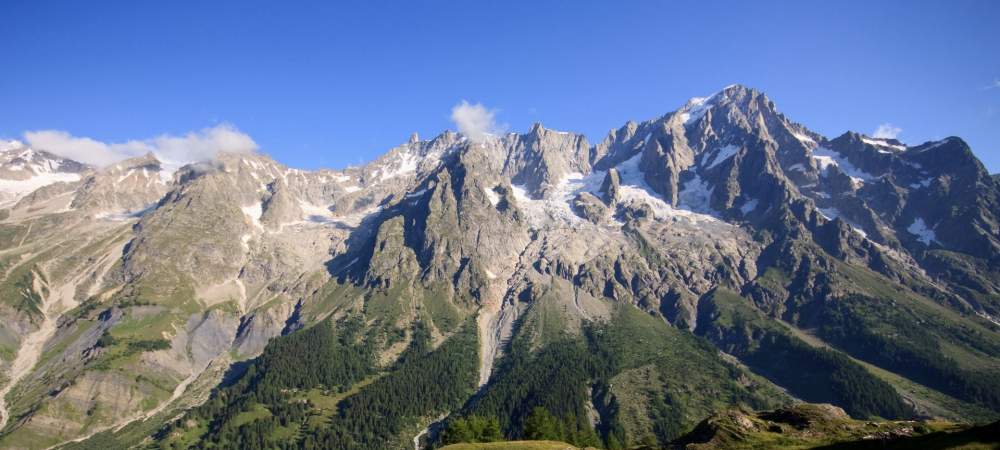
611,187
168,275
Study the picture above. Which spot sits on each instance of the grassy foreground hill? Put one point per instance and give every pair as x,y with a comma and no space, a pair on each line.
512,445
802,426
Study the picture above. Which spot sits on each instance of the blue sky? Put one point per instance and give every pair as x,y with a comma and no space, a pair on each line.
327,84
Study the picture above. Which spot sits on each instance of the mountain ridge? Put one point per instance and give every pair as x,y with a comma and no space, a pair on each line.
539,239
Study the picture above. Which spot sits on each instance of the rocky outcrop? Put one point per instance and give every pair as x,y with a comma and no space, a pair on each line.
542,158
590,207
611,187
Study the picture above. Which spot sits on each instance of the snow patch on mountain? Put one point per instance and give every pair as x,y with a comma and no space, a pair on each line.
694,109
922,183
833,213
13,190
722,154
123,215
401,162
882,144
696,195
492,196
826,157
354,219
23,170
805,140
416,194
254,213
923,233
316,213
634,189
935,144
554,208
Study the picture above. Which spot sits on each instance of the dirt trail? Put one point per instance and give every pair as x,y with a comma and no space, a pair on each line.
416,439
26,233
178,391
426,431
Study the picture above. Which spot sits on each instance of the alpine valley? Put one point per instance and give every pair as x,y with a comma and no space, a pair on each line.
718,266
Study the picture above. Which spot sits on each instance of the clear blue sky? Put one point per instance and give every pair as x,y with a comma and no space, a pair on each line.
326,84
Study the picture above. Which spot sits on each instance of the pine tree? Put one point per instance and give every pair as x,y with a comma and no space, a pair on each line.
457,432
542,426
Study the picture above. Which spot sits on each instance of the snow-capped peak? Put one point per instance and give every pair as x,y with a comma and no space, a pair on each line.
695,109
10,145
24,169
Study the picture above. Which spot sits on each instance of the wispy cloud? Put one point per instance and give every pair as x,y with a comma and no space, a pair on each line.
195,146
887,131
994,85
475,121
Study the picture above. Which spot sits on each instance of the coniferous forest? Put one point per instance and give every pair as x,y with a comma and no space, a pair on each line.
275,402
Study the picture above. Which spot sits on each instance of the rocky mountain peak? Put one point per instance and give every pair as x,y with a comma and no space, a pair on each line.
24,169
723,218
740,94
147,160
124,188
19,161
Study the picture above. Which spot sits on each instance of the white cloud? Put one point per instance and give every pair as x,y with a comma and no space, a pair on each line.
203,145
994,85
195,146
475,121
80,149
887,131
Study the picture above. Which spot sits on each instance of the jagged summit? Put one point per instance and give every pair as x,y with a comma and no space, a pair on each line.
723,219
730,155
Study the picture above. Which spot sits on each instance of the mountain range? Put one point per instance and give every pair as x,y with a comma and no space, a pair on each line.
718,256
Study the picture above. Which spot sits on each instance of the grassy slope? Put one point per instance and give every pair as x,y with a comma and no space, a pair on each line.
828,435
927,400
814,374
806,426
896,311
512,445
